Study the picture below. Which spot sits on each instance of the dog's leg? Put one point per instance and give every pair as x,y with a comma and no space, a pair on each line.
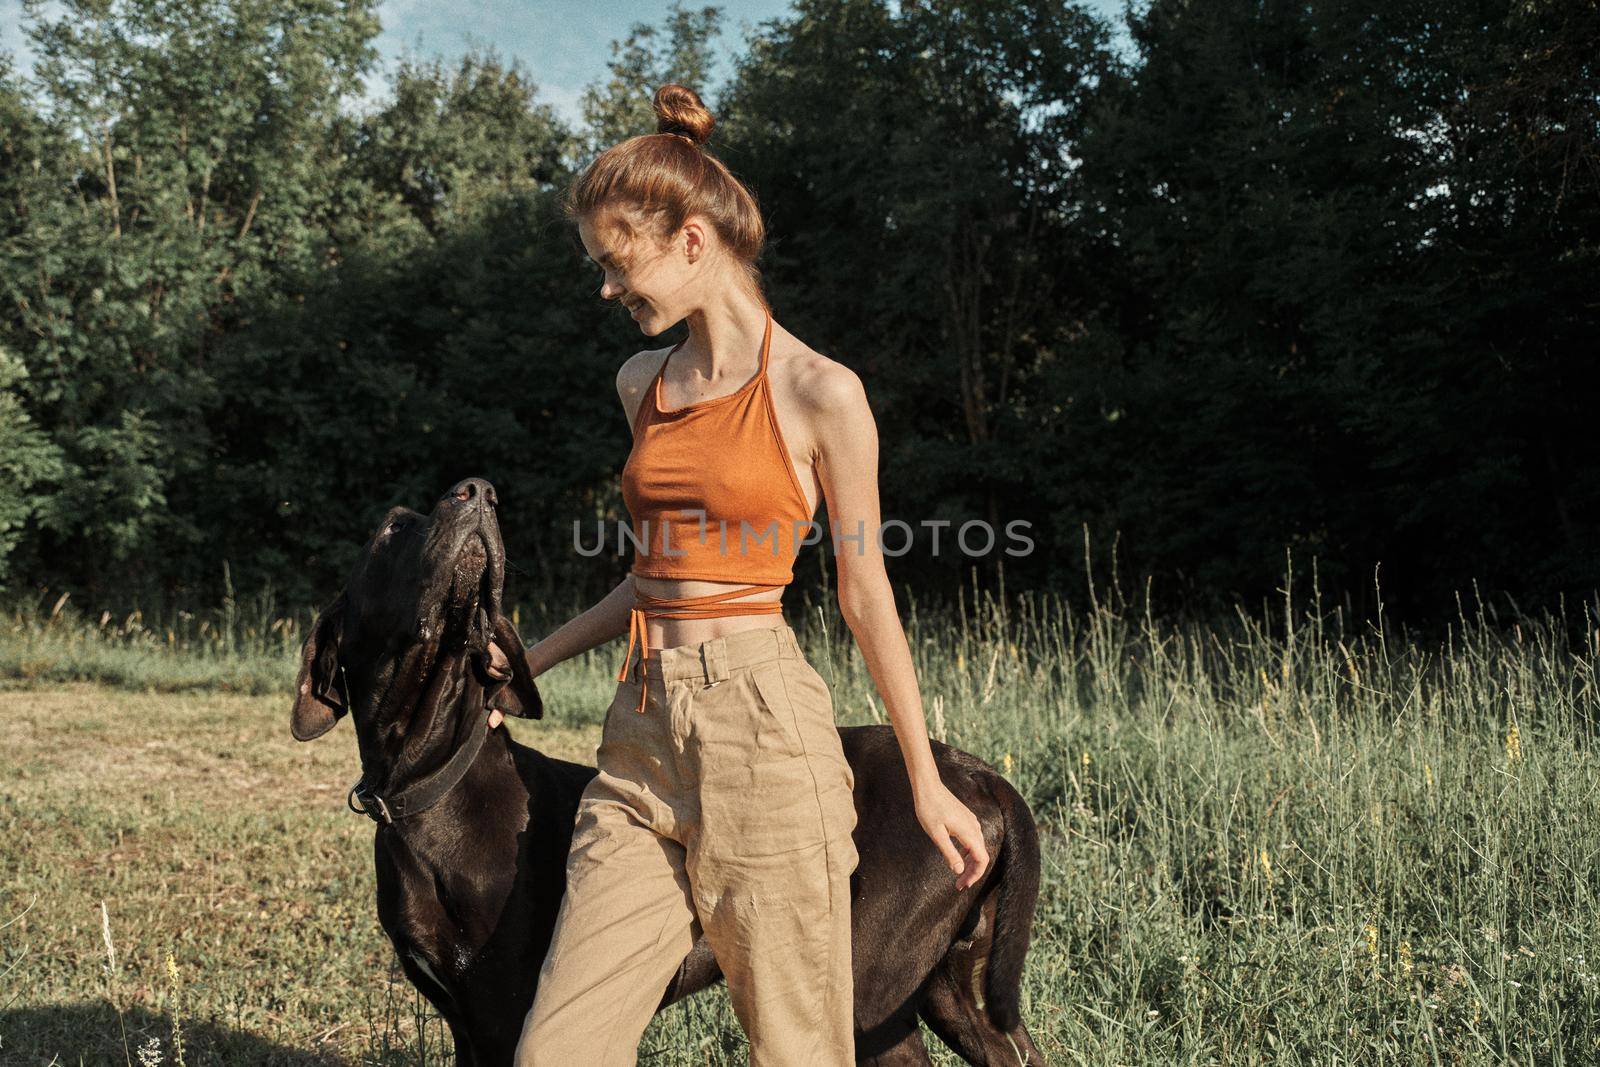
909,1051
952,1010
464,1054
423,979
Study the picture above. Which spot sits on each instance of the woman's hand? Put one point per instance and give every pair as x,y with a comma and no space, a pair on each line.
500,669
943,816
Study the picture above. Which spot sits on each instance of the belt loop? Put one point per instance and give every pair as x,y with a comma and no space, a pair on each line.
714,659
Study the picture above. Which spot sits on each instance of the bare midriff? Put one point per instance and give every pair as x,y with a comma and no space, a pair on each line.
669,633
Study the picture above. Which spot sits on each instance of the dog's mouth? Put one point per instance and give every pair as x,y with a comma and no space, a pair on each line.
472,602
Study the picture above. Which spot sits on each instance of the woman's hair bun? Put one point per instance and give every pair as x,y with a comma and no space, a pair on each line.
679,110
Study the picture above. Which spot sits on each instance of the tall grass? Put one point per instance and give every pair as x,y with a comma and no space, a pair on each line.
1285,836
230,647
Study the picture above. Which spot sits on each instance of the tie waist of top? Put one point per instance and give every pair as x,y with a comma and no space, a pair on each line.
709,606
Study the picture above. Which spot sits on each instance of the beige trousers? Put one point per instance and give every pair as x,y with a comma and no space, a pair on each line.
724,807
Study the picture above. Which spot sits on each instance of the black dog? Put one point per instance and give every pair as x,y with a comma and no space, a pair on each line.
473,828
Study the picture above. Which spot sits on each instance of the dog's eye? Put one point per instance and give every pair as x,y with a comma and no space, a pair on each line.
392,527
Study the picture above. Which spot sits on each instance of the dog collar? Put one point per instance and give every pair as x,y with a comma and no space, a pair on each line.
422,794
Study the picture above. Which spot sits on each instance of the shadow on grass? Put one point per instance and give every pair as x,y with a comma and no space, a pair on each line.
89,1033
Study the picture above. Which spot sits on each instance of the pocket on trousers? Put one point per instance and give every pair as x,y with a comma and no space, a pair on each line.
626,698
618,728
775,737
814,716
751,813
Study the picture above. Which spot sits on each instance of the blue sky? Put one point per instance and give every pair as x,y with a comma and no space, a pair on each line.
564,44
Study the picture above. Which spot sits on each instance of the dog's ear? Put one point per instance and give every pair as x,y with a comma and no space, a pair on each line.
517,695
319,696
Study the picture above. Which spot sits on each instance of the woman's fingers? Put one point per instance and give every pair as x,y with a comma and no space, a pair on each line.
952,857
500,669
977,853
499,665
946,818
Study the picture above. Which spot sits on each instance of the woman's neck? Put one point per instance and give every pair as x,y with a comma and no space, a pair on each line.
724,337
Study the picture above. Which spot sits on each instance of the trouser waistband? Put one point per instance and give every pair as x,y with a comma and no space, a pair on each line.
717,658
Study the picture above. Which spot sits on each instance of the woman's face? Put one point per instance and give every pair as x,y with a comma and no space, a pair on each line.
651,282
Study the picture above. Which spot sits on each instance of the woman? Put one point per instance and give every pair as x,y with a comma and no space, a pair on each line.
723,802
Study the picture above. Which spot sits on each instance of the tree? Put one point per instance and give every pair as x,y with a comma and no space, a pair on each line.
649,57
178,161
912,163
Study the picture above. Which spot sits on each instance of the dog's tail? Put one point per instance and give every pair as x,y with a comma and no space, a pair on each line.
1017,868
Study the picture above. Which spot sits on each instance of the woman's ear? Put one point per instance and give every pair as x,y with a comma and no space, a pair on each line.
695,240
319,696
518,695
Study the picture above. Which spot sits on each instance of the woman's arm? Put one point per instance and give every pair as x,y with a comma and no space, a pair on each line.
846,455
599,624
606,620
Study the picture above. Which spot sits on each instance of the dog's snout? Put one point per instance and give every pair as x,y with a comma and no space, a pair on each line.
474,490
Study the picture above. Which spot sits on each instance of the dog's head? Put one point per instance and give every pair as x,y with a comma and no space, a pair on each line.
410,631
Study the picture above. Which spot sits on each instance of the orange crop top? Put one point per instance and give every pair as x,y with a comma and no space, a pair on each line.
713,496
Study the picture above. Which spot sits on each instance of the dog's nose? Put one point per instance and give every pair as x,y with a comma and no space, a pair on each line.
470,490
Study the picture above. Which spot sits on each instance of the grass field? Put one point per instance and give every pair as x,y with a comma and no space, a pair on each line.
1265,841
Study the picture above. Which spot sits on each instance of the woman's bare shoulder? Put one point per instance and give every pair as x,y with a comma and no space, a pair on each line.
818,382
635,376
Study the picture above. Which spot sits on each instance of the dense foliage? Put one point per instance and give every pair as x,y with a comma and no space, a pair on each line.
1282,277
